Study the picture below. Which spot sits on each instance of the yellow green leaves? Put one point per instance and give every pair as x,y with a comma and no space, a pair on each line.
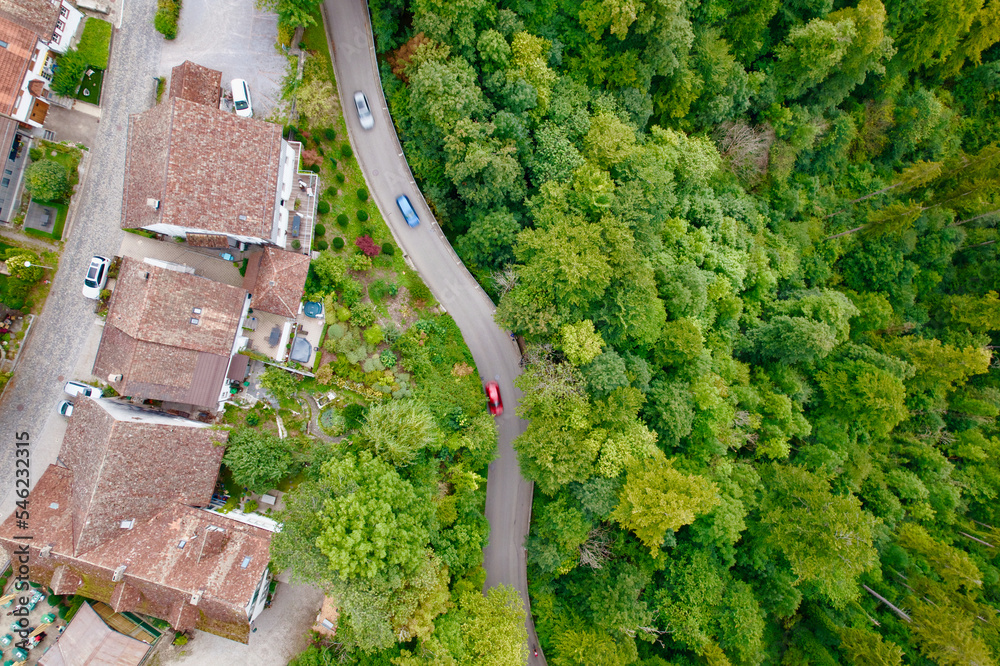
657,498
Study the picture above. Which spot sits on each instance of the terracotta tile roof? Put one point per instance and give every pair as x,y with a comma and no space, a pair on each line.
207,240
39,16
277,281
88,641
123,472
159,578
211,171
150,340
194,82
14,59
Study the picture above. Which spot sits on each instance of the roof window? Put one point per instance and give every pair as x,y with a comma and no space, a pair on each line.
196,310
3,44
195,321
181,543
54,505
128,524
246,562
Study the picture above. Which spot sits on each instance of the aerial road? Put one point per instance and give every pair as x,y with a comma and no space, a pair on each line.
508,495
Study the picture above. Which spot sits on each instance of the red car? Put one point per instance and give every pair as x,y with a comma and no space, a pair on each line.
493,398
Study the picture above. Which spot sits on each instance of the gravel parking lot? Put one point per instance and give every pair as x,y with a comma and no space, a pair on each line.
235,38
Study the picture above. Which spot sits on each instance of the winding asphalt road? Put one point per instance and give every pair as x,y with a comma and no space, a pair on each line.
508,495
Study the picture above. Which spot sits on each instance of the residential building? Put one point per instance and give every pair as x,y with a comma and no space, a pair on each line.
171,335
276,280
32,34
120,520
196,83
201,173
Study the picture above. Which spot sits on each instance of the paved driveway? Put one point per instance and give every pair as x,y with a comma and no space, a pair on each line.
235,38
61,332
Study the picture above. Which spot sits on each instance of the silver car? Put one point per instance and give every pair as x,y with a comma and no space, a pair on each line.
364,113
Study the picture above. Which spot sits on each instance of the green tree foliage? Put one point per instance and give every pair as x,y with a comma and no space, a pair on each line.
281,383
46,181
257,459
15,263
397,431
657,498
753,248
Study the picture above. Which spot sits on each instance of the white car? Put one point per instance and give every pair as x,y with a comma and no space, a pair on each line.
241,98
66,408
364,113
78,388
97,277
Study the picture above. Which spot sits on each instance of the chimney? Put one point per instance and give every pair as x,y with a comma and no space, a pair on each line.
114,378
119,574
196,597
153,203
46,551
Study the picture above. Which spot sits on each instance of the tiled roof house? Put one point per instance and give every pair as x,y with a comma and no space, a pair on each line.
118,521
170,335
196,83
30,32
192,169
276,280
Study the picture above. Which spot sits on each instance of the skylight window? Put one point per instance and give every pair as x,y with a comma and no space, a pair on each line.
128,524
181,543
246,562
195,321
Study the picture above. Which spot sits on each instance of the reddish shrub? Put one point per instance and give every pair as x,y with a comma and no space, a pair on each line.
367,245
311,158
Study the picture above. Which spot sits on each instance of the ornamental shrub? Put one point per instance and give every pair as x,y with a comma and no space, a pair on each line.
342,220
367,245
362,216
373,336
339,177
69,72
360,262
330,134
362,194
338,243
46,180
345,150
363,315
388,358
322,245
320,230
322,208
353,415
167,14
297,244
388,249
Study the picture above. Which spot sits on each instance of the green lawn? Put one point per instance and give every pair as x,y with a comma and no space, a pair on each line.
90,87
95,43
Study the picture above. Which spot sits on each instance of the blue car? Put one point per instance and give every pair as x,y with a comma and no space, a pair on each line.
404,205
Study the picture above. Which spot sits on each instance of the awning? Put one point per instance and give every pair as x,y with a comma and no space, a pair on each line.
238,368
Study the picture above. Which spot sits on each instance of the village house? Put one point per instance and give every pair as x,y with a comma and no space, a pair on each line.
171,335
203,174
121,520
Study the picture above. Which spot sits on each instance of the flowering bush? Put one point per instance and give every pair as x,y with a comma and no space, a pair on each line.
367,245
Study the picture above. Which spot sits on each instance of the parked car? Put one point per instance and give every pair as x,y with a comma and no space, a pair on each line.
97,276
364,113
78,388
66,408
494,401
408,213
241,98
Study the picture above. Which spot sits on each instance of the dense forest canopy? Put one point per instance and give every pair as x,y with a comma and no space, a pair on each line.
753,247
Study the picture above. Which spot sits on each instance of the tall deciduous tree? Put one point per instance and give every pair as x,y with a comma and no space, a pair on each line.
826,537
657,498
258,459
